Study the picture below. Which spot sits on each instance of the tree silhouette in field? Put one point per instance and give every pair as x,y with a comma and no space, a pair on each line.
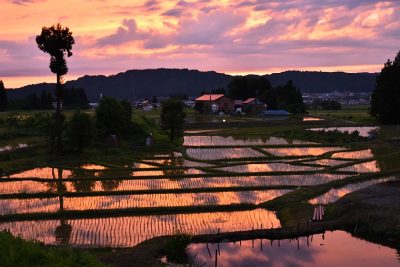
290,98
57,42
3,97
173,118
385,99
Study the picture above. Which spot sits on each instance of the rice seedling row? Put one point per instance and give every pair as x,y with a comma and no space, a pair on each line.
360,154
268,167
337,193
14,206
129,231
164,184
222,153
212,140
301,151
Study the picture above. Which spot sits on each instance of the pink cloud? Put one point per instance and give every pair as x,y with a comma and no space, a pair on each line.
225,36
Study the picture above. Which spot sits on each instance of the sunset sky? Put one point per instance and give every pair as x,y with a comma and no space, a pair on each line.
236,37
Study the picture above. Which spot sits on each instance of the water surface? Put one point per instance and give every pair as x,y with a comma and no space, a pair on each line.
363,131
334,249
129,231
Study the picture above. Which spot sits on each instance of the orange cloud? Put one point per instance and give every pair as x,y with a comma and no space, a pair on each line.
228,36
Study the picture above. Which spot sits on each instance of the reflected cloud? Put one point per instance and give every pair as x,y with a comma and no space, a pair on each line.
331,249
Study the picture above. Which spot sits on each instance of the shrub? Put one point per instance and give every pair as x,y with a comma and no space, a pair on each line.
176,247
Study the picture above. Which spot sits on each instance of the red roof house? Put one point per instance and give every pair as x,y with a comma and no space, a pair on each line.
214,103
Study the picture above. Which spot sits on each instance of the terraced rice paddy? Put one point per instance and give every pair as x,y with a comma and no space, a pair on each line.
337,193
129,231
222,153
365,167
230,141
312,119
360,154
238,173
363,131
14,206
166,184
267,167
301,151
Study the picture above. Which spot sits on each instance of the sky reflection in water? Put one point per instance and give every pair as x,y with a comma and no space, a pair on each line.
334,249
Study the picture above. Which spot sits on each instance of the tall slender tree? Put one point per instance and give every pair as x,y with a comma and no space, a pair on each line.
57,41
3,97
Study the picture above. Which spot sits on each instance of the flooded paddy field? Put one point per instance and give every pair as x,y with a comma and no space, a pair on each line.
210,171
129,231
363,131
336,248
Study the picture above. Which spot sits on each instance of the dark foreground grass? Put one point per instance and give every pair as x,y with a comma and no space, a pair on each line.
14,251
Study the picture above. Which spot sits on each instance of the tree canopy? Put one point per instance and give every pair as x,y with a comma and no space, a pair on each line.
3,97
289,98
57,42
113,117
244,87
173,118
286,97
385,99
80,130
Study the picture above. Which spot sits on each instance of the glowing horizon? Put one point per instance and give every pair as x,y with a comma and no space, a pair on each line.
232,37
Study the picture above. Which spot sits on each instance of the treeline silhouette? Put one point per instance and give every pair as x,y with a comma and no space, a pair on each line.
73,98
165,82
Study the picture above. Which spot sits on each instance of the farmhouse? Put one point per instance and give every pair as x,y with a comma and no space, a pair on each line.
214,103
253,105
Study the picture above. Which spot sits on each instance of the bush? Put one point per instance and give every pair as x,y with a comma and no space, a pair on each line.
176,247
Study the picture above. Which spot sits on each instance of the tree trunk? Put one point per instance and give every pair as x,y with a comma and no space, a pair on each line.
58,122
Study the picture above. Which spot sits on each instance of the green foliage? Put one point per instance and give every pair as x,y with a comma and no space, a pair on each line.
176,247
113,117
3,97
289,98
33,102
80,130
173,118
14,251
385,99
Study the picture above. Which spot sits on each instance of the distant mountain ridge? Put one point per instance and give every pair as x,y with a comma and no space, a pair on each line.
316,81
134,84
